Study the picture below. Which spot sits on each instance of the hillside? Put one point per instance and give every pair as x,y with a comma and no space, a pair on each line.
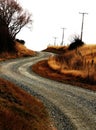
56,49
21,111
21,51
77,67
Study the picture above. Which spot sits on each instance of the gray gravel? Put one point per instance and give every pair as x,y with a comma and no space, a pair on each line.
71,108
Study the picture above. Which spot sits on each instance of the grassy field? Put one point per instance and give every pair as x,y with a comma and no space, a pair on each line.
18,109
76,67
80,62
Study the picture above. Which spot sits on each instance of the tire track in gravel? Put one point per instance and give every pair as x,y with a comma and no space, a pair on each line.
72,108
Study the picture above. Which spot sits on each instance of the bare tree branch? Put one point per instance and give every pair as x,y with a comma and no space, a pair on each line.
13,16
12,19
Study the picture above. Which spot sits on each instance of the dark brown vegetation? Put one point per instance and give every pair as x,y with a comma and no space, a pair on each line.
12,19
20,41
76,67
21,111
21,51
76,42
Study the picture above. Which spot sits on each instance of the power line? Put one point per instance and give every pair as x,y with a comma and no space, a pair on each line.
82,23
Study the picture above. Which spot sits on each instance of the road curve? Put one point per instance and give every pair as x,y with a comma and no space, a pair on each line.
72,108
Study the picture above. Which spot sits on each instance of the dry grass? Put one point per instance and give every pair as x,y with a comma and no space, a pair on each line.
21,51
80,62
77,67
56,49
20,111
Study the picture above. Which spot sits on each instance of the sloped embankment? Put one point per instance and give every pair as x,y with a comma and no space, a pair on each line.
19,110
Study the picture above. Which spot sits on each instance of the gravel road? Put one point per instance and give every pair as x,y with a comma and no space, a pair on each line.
71,108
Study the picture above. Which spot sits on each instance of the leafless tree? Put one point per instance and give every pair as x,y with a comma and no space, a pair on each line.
12,19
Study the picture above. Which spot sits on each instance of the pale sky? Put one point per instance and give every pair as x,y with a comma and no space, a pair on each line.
49,16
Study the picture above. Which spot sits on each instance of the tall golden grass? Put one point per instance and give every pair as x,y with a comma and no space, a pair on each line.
80,62
22,50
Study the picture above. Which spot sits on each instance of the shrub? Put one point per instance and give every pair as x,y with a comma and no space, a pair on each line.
75,43
20,41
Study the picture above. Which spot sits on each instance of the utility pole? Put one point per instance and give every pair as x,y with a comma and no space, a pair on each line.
82,23
62,36
55,41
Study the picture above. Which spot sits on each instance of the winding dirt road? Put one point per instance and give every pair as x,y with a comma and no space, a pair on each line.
72,108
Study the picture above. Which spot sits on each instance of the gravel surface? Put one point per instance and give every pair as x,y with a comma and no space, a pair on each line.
71,108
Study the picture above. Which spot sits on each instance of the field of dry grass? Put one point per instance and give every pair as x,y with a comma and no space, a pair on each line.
78,63
20,111
77,67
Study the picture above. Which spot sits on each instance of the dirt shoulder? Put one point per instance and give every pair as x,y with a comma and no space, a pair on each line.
19,110
42,68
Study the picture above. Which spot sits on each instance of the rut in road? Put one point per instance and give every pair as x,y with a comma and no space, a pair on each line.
71,107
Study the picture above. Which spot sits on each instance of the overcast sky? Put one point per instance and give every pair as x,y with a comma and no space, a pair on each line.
49,16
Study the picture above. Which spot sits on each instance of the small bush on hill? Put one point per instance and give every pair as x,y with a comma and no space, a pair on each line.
75,43
20,41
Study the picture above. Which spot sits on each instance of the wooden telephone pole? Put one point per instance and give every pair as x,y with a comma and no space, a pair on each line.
55,41
82,23
62,36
